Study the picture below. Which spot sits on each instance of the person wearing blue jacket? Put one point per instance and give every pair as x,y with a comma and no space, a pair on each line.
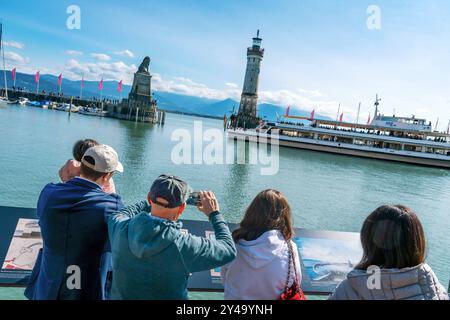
152,257
74,261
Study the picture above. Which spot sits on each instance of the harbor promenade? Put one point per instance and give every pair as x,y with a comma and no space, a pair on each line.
112,108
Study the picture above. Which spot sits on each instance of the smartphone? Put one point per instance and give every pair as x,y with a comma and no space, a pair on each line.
194,199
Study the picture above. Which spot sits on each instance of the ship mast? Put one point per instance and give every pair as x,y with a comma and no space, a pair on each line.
359,111
436,126
377,103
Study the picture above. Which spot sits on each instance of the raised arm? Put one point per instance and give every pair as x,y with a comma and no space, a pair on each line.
117,219
201,253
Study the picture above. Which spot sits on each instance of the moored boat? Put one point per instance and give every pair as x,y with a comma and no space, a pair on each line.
33,104
401,139
92,112
23,101
44,104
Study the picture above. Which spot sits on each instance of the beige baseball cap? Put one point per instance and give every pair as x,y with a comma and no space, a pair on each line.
102,158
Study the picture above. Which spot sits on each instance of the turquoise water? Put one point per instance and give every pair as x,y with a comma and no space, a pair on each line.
326,192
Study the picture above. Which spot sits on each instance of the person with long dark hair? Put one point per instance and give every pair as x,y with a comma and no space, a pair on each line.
393,265
267,261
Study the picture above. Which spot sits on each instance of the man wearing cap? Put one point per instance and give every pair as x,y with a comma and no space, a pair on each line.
152,257
73,262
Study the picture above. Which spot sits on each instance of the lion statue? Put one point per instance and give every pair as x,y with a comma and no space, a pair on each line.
143,68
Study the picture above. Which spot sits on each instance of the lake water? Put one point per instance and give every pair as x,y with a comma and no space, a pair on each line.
326,192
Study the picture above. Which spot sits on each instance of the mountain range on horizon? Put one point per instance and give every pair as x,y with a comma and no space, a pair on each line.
169,101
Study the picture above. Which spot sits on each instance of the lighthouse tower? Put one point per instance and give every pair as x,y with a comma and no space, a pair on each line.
247,116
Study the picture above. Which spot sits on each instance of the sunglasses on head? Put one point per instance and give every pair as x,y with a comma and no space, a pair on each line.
164,205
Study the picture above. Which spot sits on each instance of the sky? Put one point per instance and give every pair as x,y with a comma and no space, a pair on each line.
318,54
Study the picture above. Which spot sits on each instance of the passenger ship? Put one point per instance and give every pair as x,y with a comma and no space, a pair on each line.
402,139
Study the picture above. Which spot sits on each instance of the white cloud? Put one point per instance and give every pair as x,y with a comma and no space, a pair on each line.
74,53
15,59
313,93
14,44
298,99
182,85
101,56
231,85
125,53
74,69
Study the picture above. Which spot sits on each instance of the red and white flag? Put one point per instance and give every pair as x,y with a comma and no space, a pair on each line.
341,117
311,116
368,120
287,111
36,77
119,87
13,74
60,80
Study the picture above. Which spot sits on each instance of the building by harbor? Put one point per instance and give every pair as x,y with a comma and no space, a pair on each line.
248,114
140,105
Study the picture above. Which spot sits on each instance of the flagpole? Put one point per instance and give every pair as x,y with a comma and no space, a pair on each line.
15,76
37,83
101,95
81,87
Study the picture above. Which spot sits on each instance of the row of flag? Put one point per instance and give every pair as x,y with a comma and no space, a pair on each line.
312,114
60,79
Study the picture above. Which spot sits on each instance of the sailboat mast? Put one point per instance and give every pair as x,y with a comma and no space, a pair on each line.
3,56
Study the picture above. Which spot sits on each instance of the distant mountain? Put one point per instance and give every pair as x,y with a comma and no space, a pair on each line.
183,103
166,100
219,108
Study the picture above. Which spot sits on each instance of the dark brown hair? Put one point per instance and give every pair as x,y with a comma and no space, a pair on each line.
392,237
270,210
81,146
89,173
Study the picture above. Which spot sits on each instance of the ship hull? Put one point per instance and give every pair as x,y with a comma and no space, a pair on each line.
350,150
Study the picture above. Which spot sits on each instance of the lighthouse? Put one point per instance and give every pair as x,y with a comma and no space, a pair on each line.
247,116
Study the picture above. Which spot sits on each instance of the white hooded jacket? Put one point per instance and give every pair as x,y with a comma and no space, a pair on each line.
260,269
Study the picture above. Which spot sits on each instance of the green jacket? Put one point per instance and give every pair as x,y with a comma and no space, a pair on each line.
152,258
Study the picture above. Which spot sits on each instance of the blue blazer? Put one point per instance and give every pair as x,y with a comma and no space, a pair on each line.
72,217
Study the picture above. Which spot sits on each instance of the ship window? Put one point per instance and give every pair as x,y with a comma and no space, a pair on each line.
412,148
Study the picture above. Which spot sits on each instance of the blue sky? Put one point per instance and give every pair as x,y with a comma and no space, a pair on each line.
318,53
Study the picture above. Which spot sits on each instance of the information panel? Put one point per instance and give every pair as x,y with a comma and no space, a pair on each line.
326,257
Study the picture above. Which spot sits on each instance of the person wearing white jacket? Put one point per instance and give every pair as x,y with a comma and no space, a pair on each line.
261,268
